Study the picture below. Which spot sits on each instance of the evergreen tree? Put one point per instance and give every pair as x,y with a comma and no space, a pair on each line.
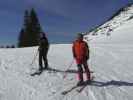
34,28
21,40
30,33
7,46
13,46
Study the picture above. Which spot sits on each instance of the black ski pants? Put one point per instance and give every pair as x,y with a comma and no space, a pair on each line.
43,59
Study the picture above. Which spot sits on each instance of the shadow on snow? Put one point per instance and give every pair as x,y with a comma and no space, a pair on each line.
62,71
96,83
110,83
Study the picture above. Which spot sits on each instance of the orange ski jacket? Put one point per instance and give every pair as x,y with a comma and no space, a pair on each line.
80,51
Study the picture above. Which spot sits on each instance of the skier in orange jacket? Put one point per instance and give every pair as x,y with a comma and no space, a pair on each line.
81,55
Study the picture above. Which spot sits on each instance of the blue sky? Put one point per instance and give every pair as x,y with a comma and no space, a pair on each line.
60,19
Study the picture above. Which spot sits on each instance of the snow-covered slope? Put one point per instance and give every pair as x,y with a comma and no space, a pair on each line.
112,66
117,30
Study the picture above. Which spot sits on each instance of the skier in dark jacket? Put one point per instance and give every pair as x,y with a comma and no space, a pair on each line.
43,51
81,55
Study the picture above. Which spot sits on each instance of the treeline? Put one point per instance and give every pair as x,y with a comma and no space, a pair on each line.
8,46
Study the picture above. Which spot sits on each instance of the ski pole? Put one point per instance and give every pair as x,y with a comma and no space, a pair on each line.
65,74
34,57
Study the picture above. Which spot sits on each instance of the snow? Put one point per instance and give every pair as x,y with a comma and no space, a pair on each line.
121,35
111,63
110,59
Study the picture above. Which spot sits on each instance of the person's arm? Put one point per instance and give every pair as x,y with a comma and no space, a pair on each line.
39,45
73,51
87,53
47,43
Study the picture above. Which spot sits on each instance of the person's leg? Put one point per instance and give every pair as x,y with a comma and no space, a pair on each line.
40,61
45,61
80,73
87,71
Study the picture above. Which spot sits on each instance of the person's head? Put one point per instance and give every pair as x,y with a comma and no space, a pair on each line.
80,36
42,35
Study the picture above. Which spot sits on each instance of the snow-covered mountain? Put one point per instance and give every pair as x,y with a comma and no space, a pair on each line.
110,59
117,30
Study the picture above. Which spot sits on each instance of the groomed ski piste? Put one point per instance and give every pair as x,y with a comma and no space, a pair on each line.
111,59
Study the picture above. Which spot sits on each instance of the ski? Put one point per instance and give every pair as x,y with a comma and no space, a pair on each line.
81,89
69,90
40,72
36,73
78,88
85,85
